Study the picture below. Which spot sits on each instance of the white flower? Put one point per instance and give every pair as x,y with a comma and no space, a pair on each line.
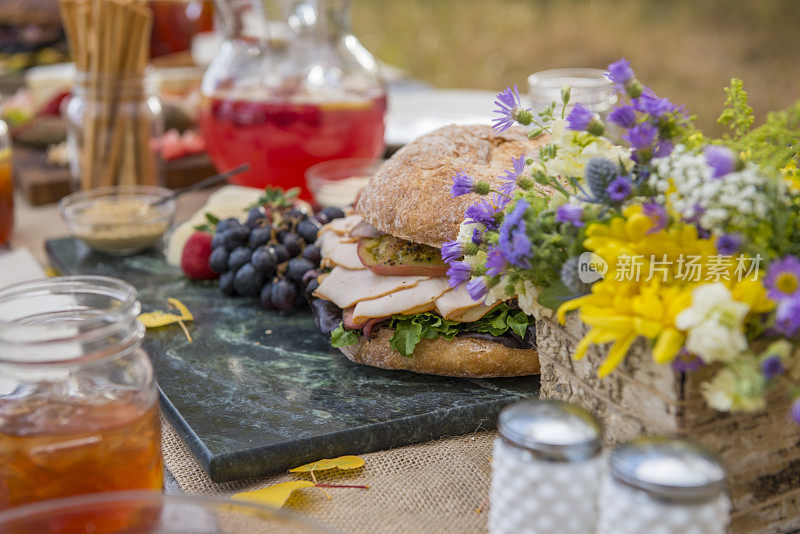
714,322
528,297
466,230
719,391
571,157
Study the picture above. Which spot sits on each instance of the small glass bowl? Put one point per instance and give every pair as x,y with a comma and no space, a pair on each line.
338,182
144,512
589,87
119,220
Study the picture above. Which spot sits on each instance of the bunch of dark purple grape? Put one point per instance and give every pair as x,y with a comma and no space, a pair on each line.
272,255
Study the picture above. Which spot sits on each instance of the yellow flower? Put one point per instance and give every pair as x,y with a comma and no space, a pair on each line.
649,282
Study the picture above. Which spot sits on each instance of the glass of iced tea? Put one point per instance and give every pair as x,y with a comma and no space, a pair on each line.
6,187
78,403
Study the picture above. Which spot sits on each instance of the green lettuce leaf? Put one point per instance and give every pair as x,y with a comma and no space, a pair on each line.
343,338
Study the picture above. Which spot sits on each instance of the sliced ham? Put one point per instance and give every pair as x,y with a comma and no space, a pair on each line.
423,293
470,315
345,287
366,327
457,305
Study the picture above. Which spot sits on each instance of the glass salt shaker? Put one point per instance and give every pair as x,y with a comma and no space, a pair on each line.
546,469
663,486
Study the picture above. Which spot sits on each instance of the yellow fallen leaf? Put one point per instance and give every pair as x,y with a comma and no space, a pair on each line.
275,496
342,462
158,318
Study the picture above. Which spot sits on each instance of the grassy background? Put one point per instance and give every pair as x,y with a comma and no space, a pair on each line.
684,49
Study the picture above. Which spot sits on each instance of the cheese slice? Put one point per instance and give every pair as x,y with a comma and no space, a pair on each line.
341,253
412,298
342,226
345,287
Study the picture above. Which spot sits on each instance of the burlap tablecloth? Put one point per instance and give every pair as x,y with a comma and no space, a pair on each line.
440,486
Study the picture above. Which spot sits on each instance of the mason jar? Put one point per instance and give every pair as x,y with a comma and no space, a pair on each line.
78,402
588,87
111,122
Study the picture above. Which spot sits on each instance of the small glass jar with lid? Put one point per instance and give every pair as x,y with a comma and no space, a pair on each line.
666,486
546,469
588,87
78,402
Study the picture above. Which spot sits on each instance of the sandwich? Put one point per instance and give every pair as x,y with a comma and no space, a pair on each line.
384,295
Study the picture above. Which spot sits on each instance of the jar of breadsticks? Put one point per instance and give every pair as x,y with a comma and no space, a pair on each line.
113,113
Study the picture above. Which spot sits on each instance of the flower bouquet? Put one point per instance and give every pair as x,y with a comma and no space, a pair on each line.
666,262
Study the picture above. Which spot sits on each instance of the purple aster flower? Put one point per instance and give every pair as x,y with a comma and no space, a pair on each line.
787,317
478,288
728,244
462,184
452,250
641,136
649,103
482,212
458,273
685,362
495,261
570,213
619,189
579,118
772,367
623,116
508,105
796,410
721,159
663,148
477,237
513,239
783,279
657,214
620,72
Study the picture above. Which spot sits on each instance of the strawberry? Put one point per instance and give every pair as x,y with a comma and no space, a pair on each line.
194,259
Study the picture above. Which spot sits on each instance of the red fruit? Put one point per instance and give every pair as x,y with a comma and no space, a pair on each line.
194,259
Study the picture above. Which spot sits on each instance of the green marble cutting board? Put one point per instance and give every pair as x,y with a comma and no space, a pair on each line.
258,392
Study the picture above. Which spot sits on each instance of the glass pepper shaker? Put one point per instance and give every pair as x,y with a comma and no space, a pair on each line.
546,469
665,486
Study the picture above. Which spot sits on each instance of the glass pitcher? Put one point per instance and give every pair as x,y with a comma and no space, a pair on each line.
283,97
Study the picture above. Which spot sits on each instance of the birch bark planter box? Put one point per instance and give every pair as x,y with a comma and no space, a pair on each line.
760,450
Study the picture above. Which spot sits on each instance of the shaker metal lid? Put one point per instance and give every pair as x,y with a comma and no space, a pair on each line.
552,430
668,468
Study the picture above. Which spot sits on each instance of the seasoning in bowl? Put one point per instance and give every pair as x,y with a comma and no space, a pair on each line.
118,220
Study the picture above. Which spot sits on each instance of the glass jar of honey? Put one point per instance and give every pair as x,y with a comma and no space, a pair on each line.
78,402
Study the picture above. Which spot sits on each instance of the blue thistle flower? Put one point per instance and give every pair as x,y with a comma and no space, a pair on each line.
728,244
478,288
513,238
571,278
570,213
599,173
509,108
619,189
452,250
623,116
458,273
